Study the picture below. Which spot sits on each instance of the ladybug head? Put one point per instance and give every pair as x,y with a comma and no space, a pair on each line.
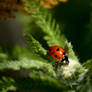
65,58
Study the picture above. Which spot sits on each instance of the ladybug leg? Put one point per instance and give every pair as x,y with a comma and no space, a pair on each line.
56,65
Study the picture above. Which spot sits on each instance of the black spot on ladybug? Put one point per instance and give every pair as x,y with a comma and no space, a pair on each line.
57,49
55,55
50,50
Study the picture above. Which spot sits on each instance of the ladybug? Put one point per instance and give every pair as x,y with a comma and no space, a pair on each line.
58,54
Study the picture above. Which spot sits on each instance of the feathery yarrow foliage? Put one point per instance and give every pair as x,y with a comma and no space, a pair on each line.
31,69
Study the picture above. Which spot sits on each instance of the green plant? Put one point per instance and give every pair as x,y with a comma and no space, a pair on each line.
31,69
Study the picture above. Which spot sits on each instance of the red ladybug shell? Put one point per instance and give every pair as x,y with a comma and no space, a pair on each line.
56,52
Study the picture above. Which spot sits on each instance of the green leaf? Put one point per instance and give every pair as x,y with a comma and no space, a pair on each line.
28,63
35,46
39,83
7,84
